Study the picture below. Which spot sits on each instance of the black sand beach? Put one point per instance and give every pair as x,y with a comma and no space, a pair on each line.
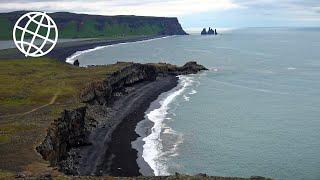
66,49
120,158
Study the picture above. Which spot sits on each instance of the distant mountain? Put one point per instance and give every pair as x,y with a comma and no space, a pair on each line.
73,25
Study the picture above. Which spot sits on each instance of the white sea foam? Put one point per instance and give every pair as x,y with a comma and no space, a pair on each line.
168,130
193,92
153,148
73,57
214,69
186,98
291,68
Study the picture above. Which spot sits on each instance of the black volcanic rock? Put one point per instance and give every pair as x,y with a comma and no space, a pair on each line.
191,67
210,31
76,63
204,31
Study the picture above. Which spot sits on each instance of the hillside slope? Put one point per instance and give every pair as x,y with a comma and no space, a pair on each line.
73,25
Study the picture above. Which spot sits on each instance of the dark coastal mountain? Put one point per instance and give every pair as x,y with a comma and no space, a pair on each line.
73,25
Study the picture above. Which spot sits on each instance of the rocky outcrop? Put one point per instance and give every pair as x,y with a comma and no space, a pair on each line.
204,31
101,93
190,68
73,128
64,133
209,32
76,63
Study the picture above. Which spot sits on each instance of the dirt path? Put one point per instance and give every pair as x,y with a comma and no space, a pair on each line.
52,101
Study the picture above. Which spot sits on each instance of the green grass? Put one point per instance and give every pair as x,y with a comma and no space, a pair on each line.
33,82
27,85
4,139
116,30
69,31
6,28
88,28
6,174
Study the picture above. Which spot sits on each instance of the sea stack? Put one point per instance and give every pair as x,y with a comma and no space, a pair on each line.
209,32
204,31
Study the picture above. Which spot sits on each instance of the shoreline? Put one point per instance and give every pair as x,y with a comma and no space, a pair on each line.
74,56
96,139
110,152
151,127
121,158
66,49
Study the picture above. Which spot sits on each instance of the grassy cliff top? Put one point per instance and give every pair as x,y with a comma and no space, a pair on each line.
33,92
72,25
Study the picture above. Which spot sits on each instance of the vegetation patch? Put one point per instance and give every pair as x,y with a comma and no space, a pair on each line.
6,174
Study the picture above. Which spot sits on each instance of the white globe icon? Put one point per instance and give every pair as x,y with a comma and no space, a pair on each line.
35,34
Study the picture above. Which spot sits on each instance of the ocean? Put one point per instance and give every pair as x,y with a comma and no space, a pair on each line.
255,112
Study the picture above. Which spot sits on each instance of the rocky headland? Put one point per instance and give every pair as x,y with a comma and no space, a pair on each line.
72,25
83,142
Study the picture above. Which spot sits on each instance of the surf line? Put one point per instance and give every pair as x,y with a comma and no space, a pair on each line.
152,148
72,58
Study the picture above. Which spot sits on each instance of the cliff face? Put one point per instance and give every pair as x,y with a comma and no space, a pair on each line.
64,133
73,128
172,27
100,93
73,25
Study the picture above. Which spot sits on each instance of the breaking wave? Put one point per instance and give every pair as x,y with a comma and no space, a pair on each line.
153,149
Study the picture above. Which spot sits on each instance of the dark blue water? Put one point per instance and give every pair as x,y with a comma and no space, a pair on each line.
256,112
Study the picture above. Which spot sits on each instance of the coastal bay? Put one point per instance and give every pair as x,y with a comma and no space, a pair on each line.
253,113
159,90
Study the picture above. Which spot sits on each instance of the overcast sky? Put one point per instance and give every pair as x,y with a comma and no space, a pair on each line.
191,13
